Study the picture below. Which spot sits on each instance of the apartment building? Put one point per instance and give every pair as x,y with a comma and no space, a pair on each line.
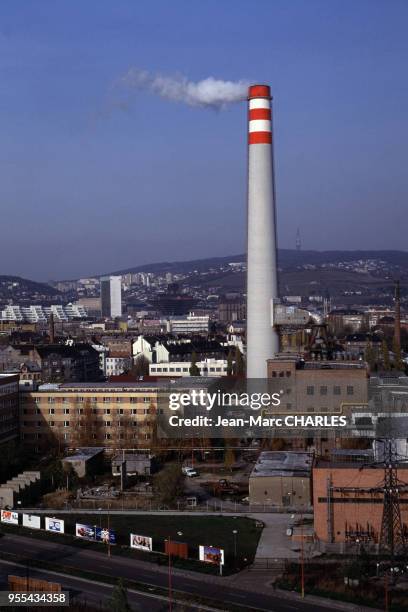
112,415
9,407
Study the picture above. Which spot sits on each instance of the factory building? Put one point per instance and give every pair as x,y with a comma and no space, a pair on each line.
281,479
348,502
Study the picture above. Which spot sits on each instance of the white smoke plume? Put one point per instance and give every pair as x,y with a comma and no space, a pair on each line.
209,92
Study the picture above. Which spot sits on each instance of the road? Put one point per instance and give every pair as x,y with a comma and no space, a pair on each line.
217,588
82,591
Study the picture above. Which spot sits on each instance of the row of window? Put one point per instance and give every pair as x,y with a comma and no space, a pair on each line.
81,399
66,436
94,424
324,390
93,411
204,369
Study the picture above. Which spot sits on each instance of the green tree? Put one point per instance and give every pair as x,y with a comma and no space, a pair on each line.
230,364
168,483
239,363
369,356
194,370
140,367
119,600
385,355
396,349
229,458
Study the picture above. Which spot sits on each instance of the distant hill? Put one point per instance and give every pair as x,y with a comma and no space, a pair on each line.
287,258
22,290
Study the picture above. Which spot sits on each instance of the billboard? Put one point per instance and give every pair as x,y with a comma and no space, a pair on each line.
107,536
30,520
86,532
55,525
10,517
212,554
141,542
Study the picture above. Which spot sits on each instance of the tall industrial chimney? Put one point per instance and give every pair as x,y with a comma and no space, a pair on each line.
262,278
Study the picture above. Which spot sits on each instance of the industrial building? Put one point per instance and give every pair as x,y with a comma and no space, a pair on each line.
348,500
282,479
86,461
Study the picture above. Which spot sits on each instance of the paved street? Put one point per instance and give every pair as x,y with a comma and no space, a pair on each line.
255,596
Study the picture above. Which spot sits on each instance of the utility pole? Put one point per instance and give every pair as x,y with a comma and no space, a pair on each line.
392,536
302,559
169,588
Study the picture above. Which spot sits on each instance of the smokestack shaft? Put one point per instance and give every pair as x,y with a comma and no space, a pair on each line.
262,280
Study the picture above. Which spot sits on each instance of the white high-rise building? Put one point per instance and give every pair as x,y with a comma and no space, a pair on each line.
111,296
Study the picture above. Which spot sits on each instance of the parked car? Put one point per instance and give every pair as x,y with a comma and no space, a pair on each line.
189,471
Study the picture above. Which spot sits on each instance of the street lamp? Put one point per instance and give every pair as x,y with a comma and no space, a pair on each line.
180,533
235,532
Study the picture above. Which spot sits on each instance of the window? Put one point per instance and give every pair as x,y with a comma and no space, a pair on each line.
323,390
66,423
51,410
121,411
107,436
350,390
66,410
51,400
51,423
337,390
107,423
310,390
80,411
39,423
288,373
106,411
134,410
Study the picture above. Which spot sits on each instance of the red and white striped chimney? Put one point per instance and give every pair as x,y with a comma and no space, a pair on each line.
262,279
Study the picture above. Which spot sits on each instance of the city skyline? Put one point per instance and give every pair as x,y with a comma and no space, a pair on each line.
88,169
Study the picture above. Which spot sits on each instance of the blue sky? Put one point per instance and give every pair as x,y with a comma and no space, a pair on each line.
88,188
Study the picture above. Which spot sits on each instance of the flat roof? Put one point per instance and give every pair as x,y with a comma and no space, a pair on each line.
187,382
283,463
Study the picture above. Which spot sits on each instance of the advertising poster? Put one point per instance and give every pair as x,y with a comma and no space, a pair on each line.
107,536
32,521
55,525
141,542
212,554
10,517
87,532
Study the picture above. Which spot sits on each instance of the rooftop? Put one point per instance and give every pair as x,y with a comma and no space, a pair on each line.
283,463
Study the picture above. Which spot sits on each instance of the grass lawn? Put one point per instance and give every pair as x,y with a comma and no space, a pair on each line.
196,530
